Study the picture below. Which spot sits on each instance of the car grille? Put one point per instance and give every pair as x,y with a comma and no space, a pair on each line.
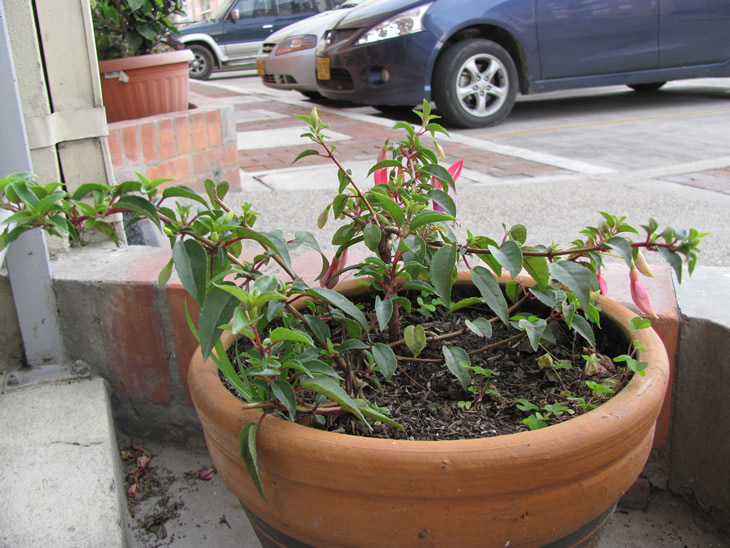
340,79
279,79
268,47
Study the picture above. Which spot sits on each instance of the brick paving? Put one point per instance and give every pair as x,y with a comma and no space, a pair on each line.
717,180
367,139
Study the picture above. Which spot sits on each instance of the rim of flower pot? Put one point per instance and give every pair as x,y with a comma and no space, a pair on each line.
601,432
148,60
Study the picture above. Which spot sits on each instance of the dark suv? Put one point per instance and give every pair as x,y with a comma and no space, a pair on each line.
236,30
472,57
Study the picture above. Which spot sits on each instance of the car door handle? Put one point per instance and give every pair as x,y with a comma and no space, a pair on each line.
268,27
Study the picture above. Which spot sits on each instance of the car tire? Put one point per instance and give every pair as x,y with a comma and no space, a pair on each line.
202,65
652,86
475,84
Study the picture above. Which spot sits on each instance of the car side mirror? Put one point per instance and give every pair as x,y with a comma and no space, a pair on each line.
234,16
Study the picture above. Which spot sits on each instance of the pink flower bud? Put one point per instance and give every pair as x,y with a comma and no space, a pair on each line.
337,264
642,266
455,171
602,285
381,175
640,296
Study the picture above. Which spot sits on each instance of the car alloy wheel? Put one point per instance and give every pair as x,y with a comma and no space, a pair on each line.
475,84
202,65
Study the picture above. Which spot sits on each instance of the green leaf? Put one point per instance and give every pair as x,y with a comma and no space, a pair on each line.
383,311
537,267
419,285
441,173
284,334
25,194
385,359
139,205
326,386
463,303
384,164
165,274
352,344
341,302
247,452
519,233
444,200
284,392
372,236
429,217
390,206
526,405
320,328
534,330
376,415
481,327
183,192
458,362
442,270
576,278
304,154
191,264
674,261
622,247
639,323
490,290
415,337
581,326
217,310
509,256
45,203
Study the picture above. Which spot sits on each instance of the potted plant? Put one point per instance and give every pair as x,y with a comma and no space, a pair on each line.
143,70
315,415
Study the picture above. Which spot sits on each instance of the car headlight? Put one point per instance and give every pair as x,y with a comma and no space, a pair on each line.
296,43
407,22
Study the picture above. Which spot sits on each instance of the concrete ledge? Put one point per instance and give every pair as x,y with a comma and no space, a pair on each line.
60,482
700,445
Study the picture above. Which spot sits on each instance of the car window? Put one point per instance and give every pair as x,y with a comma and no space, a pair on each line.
295,7
254,8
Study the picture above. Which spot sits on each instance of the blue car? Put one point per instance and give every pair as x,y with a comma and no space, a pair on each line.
472,57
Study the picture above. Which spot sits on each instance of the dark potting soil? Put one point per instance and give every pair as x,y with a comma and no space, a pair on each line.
426,399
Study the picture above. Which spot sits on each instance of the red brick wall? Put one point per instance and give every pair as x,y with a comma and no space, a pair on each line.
186,147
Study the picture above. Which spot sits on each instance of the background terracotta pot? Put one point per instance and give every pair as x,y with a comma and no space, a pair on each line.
554,485
158,83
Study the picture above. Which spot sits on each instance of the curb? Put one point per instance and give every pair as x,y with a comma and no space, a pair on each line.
61,465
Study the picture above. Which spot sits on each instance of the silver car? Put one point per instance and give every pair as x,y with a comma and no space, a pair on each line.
286,59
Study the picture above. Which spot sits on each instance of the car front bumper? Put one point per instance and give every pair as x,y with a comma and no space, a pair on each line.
391,72
293,70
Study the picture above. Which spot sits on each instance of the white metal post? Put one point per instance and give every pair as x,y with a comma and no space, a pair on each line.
27,257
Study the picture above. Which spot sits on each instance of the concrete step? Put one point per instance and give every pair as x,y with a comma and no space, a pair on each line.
60,477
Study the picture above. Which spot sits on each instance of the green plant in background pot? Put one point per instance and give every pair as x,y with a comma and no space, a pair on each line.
141,64
409,342
125,28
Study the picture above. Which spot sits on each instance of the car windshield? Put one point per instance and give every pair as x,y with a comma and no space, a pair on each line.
350,4
221,10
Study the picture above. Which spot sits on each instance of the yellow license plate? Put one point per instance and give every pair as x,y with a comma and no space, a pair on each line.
323,68
260,68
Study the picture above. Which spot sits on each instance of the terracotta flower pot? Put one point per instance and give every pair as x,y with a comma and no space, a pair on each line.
157,83
556,486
